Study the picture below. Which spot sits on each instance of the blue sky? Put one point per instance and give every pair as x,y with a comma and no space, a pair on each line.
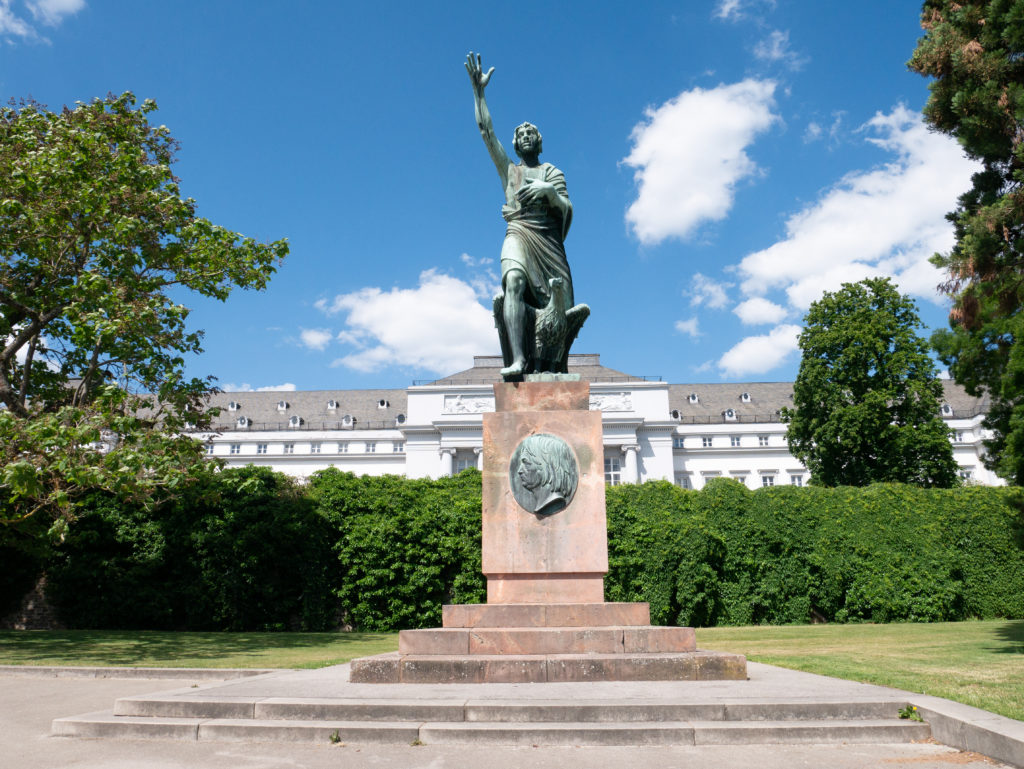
728,161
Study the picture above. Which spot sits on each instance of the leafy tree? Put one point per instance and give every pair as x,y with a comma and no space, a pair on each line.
975,52
866,397
94,236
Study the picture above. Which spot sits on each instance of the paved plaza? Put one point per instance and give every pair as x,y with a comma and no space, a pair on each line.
29,704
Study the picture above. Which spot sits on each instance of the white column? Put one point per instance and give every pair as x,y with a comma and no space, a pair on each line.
479,451
447,462
632,473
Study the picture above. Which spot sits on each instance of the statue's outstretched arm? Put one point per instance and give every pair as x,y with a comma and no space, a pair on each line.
483,116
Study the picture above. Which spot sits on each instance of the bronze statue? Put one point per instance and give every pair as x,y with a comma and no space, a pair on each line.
535,316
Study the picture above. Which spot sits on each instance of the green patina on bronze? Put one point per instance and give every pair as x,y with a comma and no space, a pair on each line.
543,474
536,318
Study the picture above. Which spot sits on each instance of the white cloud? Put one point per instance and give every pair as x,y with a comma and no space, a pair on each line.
52,12
688,327
775,49
438,326
759,311
883,221
813,132
245,387
690,153
734,10
708,292
49,12
758,354
316,338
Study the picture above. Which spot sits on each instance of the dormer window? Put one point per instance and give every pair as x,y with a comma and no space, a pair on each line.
745,397
675,414
243,422
729,414
382,404
332,405
347,420
234,406
295,421
400,419
694,400
947,410
282,405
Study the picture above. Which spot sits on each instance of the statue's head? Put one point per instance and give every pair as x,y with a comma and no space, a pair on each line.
528,133
547,461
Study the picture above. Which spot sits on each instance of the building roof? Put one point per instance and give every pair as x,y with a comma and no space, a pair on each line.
704,403
761,401
364,407
487,370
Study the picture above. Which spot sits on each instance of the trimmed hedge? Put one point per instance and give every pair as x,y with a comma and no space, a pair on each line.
245,551
253,551
405,547
884,553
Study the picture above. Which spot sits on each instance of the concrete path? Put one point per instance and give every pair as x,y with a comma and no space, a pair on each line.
28,704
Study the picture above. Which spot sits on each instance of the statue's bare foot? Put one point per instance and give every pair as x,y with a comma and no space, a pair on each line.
515,369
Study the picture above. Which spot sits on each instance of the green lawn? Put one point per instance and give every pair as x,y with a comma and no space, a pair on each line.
977,663
189,650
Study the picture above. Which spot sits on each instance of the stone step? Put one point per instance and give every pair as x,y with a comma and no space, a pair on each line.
620,639
545,615
541,668
675,733
505,711
107,725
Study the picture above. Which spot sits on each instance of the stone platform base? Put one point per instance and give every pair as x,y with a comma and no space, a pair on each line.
537,643
554,668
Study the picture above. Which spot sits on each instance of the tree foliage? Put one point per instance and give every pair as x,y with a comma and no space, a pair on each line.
866,398
974,50
94,237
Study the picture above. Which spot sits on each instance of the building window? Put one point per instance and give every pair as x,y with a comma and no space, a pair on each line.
261,448
796,479
612,471
289,448
734,441
382,404
234,406
730,415
678,442
464,464
236,448
332,405
683,482
767,480
343,448
966,474
705,441
397,447
282,405
745,397
947,410
959,437
209,449
693,398
314,448
295,421
371,447
762,440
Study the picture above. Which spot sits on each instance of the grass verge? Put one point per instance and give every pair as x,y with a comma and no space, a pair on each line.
977,663
189,650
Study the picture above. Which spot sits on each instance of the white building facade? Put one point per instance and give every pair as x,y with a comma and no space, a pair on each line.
653,430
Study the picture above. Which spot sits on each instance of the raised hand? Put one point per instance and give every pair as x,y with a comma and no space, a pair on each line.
476,73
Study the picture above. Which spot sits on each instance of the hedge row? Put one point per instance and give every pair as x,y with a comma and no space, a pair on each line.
252,550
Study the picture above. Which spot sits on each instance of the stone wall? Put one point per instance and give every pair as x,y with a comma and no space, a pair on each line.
34,612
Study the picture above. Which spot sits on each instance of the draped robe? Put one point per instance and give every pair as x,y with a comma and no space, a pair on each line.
534,239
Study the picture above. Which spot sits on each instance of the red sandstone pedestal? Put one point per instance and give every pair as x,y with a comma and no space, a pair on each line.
545,619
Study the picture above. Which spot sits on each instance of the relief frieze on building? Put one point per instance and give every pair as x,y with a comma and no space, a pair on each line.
468,404
621,401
